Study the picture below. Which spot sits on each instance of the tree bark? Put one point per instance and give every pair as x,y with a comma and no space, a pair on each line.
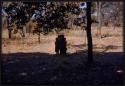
99,19
10,34
89,35
39,35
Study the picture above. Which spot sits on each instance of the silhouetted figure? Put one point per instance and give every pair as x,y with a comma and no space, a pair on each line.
60,45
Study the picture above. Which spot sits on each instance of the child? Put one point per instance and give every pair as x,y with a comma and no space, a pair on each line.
60,45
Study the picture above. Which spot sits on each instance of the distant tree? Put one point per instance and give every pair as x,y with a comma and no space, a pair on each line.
93,7
109,12
117,13
99,18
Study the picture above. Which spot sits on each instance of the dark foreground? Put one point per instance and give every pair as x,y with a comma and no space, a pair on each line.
43,68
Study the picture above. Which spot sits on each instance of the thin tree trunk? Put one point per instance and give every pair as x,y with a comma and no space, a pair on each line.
39,36
89,35
99,19
10,33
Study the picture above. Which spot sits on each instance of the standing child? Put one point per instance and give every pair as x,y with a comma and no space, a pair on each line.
60,45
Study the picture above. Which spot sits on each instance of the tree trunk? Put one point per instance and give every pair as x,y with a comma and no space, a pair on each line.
39,35
89,35
10,33
99,19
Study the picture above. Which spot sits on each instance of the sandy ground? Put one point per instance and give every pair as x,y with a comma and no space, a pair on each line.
28,62
76,40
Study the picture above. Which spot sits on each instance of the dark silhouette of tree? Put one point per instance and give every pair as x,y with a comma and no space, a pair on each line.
10,33
89,35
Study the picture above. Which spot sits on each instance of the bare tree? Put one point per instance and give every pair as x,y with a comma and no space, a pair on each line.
117,13
99,18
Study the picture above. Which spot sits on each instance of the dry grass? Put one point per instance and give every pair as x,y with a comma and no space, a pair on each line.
76,40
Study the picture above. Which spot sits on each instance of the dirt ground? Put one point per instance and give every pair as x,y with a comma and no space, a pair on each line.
76,40
28,62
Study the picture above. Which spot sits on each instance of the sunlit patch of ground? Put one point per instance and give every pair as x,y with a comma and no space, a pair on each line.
112,40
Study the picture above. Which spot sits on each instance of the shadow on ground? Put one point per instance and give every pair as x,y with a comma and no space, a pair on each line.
44,68
95,46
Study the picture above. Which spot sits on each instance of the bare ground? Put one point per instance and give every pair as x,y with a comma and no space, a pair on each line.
74,37
27,61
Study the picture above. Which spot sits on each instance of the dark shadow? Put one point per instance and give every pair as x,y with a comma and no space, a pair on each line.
44,68
111,47
95,46
79,46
